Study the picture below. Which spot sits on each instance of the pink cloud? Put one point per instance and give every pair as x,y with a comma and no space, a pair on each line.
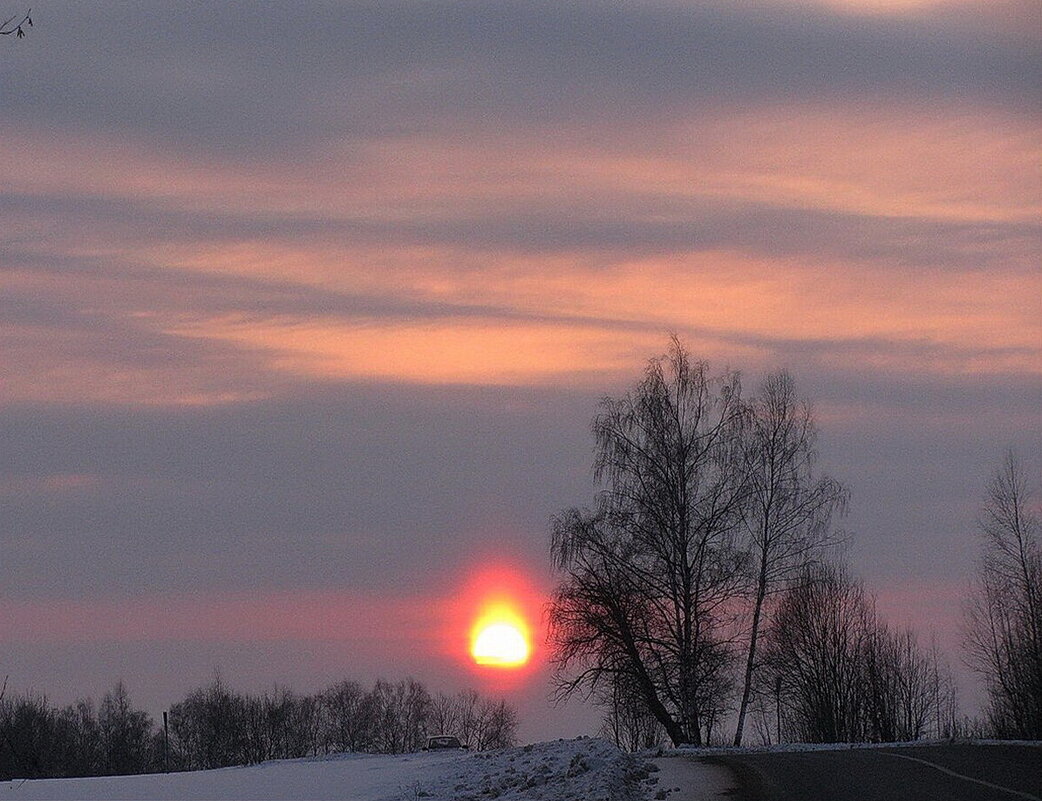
270,616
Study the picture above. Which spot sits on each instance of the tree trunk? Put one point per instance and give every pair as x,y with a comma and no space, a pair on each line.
750,661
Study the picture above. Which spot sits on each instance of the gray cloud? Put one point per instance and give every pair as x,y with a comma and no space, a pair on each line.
338,487
607,224
245,80
335,488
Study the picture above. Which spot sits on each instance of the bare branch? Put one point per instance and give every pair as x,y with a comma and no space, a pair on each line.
9,26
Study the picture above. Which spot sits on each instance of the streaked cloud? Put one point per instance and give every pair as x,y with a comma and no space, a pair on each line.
439,257
237,80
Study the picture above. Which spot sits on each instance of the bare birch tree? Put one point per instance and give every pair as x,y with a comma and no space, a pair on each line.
1004,631
649,576
788,508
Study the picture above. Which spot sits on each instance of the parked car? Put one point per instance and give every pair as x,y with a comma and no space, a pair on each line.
444,742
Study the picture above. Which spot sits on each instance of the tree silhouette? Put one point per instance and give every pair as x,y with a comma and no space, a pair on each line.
788,506
649,576
1004,618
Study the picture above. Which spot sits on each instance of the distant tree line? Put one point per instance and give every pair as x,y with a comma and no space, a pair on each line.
38,740
700,587
215,727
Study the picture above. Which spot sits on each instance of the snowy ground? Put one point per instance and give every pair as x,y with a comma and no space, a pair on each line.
565,770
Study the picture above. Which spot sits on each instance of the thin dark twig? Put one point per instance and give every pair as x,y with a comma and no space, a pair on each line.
16,29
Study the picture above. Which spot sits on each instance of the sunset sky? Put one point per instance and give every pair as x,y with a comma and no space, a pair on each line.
305,308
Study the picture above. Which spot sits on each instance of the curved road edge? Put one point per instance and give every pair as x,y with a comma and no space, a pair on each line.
941,772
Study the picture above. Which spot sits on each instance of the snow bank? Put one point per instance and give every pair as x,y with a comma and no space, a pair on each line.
566,770
583,769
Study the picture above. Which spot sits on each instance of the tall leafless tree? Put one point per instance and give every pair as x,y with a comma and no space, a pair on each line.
788,507
1004,631
649,575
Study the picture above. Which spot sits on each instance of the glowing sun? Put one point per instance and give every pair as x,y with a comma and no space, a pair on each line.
500,638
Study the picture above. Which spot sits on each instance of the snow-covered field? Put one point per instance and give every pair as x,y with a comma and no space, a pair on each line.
566,770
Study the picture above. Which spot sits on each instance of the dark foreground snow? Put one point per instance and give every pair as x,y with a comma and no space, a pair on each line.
566,770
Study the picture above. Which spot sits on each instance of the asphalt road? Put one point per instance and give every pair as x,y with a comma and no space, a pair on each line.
921,773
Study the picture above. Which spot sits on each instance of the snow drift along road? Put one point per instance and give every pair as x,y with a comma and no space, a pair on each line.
565,770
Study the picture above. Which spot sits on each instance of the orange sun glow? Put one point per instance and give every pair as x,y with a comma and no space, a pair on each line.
500,637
